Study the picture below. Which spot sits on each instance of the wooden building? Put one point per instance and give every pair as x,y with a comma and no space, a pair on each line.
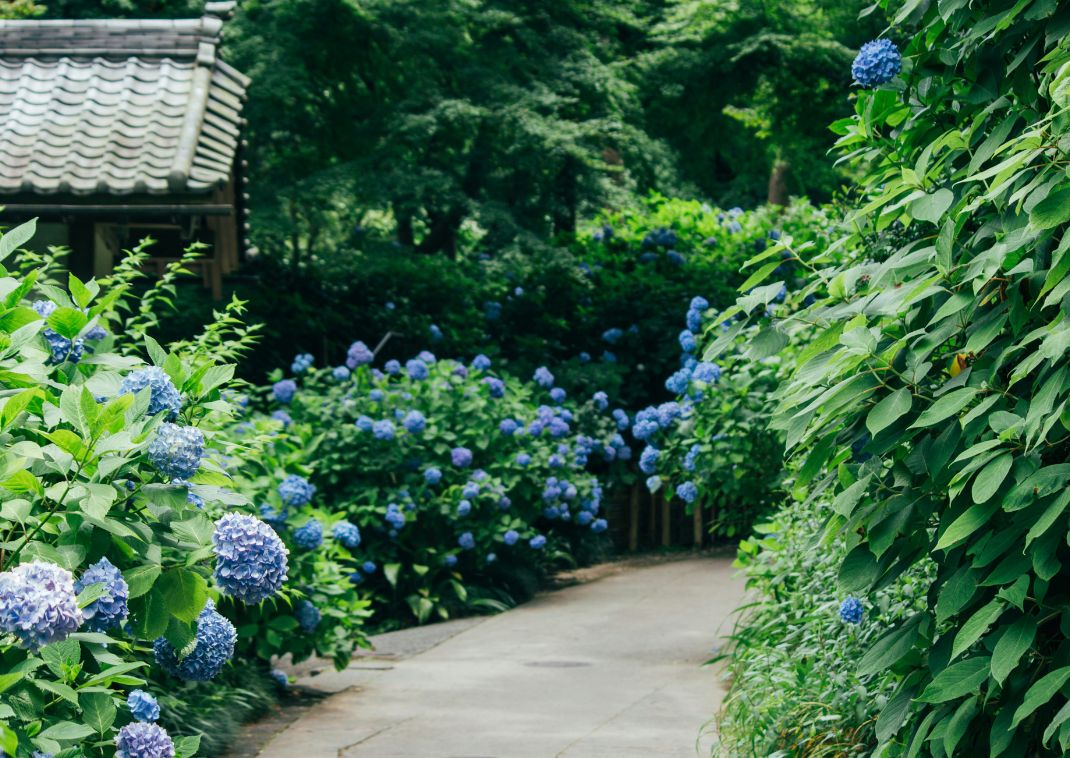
114,130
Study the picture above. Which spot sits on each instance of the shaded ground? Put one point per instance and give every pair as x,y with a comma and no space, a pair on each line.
609,667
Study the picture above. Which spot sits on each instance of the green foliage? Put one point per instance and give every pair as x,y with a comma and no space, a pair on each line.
411,527
797,687
942,365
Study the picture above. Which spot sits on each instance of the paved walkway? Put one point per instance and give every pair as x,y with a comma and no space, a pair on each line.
609,669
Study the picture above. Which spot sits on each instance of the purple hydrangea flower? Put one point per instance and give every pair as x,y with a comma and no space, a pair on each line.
251,562
143,740
38,604
358,354
416,369
461,457
543,377
284,390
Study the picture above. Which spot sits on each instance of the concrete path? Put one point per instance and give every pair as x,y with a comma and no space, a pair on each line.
609,669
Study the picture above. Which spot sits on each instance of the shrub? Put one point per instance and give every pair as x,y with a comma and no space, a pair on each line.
433,488
931,404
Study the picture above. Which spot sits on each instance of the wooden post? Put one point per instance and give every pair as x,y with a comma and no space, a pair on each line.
666,521
633,518
696,515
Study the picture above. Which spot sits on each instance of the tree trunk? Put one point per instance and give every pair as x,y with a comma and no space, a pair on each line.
778,183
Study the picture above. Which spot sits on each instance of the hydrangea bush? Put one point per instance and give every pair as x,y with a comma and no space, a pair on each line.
115,530
432,486
931,405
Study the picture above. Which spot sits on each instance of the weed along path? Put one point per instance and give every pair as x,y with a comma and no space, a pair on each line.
608,668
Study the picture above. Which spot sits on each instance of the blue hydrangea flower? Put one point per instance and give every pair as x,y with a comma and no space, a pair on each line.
648,460
877,62
346,533
392,367
543,377
176,451
284,390
433,475
450,560
470,490
302,363
601,400
377,396
273,518
364,424
96,333
464,508
308,615
296,491
583,518
688,492
38,604
383,430
693,320
523,459
213,646
466,541
584,357
495,386
280,678
851,611
691,458
251,562
143,706
143,740
491,557
340,373
599,525
675,258
110,609
461,457
687,341
414,422
679,382
358,354
538,542
427,357
621,417
416,369
435,332
706,372
668,412
394,516
511,537
309,535
163,396
61,348
504,502
653,483
481,362
645,428
508,427
612,336
557,395
608,357
369,567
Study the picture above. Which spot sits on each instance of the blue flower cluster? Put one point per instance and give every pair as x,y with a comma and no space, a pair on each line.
38,604
143,740
466,541
251,562
878,61
347,534
414,422
176,451
358,355
395,516
296,490
648,460
495,386
143,706
433,475
61,348
340,373
163,396
416,369
688,492
284,390
213,646
481,362
851,611
302,363
309,535
383,430
461,457
110,609
308,615
543,377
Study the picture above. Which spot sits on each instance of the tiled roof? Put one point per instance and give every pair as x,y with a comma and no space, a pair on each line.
117,106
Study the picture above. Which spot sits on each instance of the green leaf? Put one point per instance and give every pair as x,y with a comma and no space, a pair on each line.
889,410
1041,692
945,407
859,570
1052,210
975,626
67,322
991,477
889,649
957,680
1011,646
17,237
184,593
969,522
932,206
390,571
98,711
67,731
